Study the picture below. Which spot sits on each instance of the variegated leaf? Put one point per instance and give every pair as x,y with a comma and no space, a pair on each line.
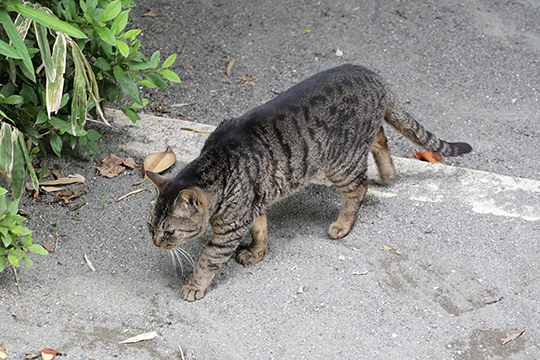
54,89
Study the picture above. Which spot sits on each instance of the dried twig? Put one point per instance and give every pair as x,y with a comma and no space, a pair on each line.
16,279
204,131
130,193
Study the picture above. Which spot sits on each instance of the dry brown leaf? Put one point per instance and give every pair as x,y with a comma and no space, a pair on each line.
426,155
130,163
512,337
141,337
48,246
150,13
228,70
50,354
203,131
68,195
159,162
52,188
31,356
70,179
112,166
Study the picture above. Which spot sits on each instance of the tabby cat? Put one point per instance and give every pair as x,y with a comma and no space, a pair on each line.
329,123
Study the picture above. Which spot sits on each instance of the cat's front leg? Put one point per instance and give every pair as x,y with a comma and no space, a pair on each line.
216,253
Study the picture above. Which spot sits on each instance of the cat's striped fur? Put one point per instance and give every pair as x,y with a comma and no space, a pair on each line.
329,123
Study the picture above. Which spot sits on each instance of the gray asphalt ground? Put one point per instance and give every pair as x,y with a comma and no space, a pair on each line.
442,265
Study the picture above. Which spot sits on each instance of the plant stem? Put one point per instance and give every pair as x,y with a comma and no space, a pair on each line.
16,279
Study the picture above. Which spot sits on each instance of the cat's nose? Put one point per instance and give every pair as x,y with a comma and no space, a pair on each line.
157,241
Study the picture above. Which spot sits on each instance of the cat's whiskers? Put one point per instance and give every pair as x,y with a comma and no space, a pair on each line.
186,255
176,260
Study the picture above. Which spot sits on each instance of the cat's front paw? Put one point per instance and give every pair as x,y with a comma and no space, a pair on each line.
192,292
248,256
338,230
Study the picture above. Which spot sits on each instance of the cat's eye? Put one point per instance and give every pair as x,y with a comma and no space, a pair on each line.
167,235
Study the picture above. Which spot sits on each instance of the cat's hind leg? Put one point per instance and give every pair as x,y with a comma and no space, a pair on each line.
379,149
353,188
255,251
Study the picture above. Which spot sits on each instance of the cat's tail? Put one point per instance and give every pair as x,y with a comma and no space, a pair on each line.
399,118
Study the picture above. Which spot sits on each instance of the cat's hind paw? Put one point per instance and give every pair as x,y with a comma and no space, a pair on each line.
191,292
338,230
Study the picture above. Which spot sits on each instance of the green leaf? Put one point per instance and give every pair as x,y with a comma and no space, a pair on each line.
132,115
102,64
55,87
13,260
26,260
111,11
45,50
38,249
3,263
154,59
56,143
93,135
128,85
41,117
131,34
123,48
156,79
9,51
106,35
45,19
169,61
14,100
18,42
170,75
120,23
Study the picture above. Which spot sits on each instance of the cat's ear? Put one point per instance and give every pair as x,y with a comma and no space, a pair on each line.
157,180
190,201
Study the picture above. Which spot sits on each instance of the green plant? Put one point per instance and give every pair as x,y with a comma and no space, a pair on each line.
59,62
15,238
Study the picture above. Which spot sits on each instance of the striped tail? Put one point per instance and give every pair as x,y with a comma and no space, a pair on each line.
413,130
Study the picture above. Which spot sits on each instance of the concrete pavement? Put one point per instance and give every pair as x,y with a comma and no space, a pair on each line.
441,265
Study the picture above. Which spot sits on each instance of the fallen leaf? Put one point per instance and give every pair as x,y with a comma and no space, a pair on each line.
130,163
141,337
57,171
228,70
89,263
407,103
150,13
388,248
159,162
48,247
3,355
426,155
512,337
204,131
308,31
52,188
31,356
68,195
112,166
70,179
50,354
380,214
130,193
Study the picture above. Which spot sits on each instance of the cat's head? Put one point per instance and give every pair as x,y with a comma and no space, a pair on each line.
179,214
